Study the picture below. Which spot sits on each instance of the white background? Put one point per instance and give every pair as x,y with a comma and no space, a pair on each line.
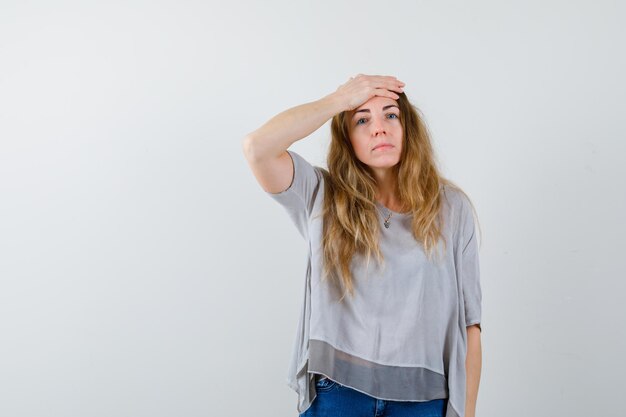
144,272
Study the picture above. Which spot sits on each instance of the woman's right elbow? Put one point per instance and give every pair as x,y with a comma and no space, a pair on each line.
245,145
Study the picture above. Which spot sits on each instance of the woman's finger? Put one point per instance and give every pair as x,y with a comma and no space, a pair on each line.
386,93
388,82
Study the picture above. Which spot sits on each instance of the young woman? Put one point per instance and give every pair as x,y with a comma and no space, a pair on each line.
399,336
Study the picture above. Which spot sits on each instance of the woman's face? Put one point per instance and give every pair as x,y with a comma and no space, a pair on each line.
375,122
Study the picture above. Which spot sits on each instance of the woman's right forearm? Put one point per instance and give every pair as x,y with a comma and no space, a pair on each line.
278,133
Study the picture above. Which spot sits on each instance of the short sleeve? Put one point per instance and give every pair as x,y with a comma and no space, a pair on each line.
299,197
470,267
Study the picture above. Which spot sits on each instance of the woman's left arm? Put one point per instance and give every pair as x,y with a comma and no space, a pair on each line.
473,364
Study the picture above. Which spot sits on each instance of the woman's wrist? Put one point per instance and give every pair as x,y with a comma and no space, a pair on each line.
335,102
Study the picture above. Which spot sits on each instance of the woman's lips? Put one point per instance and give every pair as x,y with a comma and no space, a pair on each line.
383,147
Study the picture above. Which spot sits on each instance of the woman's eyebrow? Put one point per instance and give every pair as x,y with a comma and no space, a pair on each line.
368,110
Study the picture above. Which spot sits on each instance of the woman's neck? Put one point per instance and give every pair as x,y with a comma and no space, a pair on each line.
386,190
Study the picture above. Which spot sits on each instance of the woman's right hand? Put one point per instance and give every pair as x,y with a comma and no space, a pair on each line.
357,90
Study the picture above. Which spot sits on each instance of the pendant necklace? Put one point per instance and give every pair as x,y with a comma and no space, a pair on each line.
387,221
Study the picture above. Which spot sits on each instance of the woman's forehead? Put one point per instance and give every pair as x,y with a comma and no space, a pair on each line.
377,102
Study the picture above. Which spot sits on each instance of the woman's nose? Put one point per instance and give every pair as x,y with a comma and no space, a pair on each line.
378,127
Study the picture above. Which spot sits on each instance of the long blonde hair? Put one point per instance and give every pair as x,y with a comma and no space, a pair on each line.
350,216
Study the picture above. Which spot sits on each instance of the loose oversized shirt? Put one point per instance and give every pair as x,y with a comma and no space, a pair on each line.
403,335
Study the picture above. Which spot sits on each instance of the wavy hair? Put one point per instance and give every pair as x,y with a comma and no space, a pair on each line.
350,215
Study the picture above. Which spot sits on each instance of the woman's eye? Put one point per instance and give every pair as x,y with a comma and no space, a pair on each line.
395,116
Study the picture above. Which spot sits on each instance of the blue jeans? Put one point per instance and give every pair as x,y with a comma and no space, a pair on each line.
334,399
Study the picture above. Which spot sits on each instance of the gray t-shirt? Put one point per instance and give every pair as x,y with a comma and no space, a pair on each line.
403,336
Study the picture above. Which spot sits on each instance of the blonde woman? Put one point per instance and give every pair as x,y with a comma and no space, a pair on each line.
390,321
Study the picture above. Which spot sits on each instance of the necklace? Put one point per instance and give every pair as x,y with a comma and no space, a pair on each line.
387,221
